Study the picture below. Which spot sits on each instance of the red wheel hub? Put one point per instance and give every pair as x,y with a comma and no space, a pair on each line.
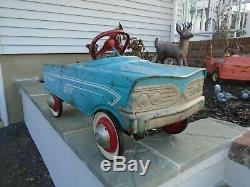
175,128
57,104
113,141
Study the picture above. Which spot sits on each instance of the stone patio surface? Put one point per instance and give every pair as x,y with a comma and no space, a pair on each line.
169,155
1,124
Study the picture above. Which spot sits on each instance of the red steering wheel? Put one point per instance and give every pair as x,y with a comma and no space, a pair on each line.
111,43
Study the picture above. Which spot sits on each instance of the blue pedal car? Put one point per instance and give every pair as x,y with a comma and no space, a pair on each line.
125,94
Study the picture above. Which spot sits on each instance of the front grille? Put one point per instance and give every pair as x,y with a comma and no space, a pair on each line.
155,97
194,89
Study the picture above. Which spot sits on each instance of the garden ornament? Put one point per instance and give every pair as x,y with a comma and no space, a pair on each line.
220,95
95,49
179,52
245,94
234,49
137,47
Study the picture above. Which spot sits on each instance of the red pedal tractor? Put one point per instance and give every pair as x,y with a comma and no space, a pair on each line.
231,67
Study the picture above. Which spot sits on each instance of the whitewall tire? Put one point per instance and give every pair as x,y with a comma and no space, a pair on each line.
56,105
109,137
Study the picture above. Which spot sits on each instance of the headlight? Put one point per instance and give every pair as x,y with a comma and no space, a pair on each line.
142,100
155,97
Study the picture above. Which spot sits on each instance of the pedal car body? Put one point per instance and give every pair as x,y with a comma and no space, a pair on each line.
140,94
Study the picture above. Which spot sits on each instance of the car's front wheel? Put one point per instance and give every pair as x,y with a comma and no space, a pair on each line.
176,128
109,137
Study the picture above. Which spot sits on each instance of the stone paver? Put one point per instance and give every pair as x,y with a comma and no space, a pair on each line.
200,140
161,169
240,150
169,155
1,124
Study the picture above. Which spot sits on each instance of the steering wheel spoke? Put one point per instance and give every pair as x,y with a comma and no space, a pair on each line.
100,52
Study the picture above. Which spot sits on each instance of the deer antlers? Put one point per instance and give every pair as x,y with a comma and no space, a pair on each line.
187,25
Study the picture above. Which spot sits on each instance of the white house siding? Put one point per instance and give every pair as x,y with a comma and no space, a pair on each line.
179,9
178,18
64,26
248,24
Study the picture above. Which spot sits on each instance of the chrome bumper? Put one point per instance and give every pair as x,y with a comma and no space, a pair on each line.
141,122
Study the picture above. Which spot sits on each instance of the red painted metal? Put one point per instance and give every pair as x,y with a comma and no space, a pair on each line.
111,42
57,104
176,128
112,134
232,67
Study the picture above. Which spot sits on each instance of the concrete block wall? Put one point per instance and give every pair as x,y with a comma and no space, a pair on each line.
26,66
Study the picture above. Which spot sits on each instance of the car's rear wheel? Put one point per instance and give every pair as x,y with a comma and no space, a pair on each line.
176,128
109,137
56,105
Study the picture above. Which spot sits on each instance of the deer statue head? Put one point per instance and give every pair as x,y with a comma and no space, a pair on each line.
167,50
185,31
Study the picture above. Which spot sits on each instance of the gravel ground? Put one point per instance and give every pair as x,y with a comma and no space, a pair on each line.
234,110
20,162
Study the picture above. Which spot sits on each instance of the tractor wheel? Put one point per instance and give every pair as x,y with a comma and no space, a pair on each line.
56,105
176,128
109,137
215,76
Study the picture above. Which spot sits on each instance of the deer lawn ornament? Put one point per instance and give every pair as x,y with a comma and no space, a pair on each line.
234,49
168,50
